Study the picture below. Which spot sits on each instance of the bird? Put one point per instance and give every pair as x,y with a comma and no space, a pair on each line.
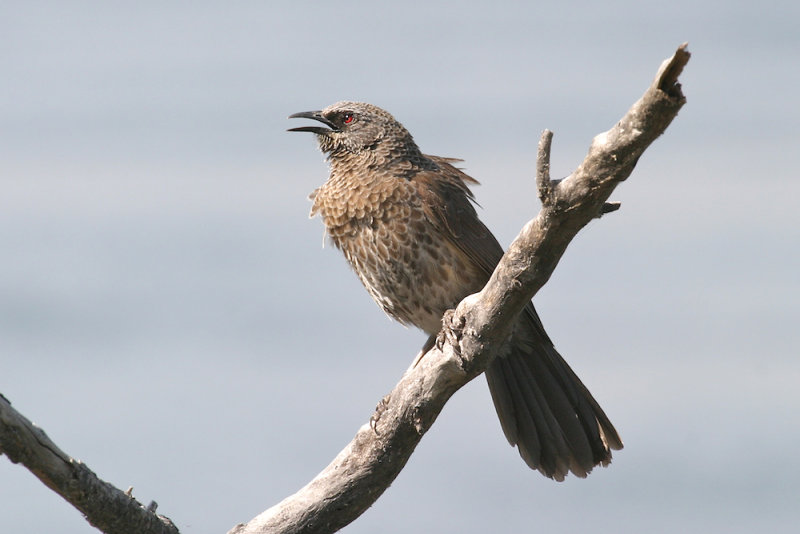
406,223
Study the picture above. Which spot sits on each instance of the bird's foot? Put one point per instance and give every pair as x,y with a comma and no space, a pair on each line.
452,331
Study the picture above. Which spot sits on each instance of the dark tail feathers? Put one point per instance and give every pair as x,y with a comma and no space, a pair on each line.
546,411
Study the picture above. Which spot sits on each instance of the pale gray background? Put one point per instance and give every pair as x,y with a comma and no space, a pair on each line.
167,314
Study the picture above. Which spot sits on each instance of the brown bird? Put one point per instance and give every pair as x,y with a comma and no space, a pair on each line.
406,223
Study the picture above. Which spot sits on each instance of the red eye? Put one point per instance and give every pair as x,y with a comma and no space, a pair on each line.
347,118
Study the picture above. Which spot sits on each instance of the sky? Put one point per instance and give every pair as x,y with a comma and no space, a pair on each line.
169,315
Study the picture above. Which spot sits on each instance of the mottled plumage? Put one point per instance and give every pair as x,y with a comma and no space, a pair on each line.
406,223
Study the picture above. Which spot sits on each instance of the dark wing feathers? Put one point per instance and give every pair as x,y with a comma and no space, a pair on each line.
543,406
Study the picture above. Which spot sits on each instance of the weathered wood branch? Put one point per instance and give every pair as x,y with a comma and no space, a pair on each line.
481,322
469,339
104,506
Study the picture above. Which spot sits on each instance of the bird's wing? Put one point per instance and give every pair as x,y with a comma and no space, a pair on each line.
449,203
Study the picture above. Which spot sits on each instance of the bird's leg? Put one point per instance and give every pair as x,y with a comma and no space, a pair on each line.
429,343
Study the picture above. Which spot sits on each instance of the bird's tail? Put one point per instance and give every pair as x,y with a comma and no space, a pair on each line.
544,408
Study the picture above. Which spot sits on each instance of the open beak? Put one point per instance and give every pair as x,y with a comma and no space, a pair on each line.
317,116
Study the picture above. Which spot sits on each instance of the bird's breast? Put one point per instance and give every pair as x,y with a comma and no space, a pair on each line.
405,262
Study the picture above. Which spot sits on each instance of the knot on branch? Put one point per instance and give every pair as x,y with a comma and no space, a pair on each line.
608,207
376,415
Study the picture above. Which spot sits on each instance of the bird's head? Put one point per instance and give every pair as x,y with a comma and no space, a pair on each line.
353,127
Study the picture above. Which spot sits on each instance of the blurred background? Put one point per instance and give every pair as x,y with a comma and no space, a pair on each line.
168,315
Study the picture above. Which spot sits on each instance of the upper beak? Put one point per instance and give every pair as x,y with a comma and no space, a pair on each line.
317,116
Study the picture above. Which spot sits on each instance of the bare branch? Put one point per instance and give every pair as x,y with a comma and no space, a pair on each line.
481,322
105,507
